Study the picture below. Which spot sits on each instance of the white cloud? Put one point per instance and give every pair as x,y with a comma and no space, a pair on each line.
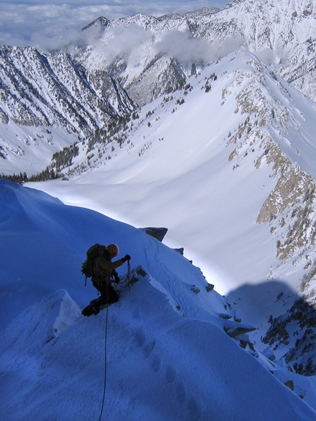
47,24
39,25
127,42
135,45
187,49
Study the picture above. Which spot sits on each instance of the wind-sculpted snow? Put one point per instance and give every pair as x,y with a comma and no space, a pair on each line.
156,363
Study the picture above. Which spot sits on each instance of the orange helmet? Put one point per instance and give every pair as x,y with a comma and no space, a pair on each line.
113,250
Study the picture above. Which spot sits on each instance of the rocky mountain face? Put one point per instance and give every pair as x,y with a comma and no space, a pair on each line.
281,33
42,89
292,335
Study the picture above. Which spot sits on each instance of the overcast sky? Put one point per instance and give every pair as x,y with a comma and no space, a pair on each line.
43,23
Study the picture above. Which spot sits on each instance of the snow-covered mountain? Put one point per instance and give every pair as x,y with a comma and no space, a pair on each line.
55,102
260,164
157,52
203,123
238,195
118,65
170,348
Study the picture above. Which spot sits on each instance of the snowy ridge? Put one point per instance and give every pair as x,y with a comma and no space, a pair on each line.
159,365
156,328
281,34
167,353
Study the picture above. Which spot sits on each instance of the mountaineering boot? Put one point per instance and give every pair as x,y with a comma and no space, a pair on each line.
90,309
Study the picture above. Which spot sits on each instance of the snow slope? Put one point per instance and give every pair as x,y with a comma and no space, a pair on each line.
205,177
166,355
30,149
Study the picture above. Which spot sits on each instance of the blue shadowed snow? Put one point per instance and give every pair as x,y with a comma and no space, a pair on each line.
167,355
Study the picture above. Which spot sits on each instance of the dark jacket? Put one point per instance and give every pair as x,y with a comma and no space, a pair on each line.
103,274
104,269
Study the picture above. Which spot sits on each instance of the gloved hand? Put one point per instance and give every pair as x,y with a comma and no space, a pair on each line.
127,257
116,277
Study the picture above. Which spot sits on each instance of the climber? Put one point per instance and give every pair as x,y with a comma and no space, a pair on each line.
102,277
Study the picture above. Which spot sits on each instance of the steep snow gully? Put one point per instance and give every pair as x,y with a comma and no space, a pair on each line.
167,355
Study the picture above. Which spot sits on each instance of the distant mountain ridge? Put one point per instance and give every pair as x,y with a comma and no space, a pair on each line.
41,89
282,34
83,88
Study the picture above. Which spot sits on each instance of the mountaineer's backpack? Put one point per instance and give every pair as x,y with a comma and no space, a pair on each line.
92,253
